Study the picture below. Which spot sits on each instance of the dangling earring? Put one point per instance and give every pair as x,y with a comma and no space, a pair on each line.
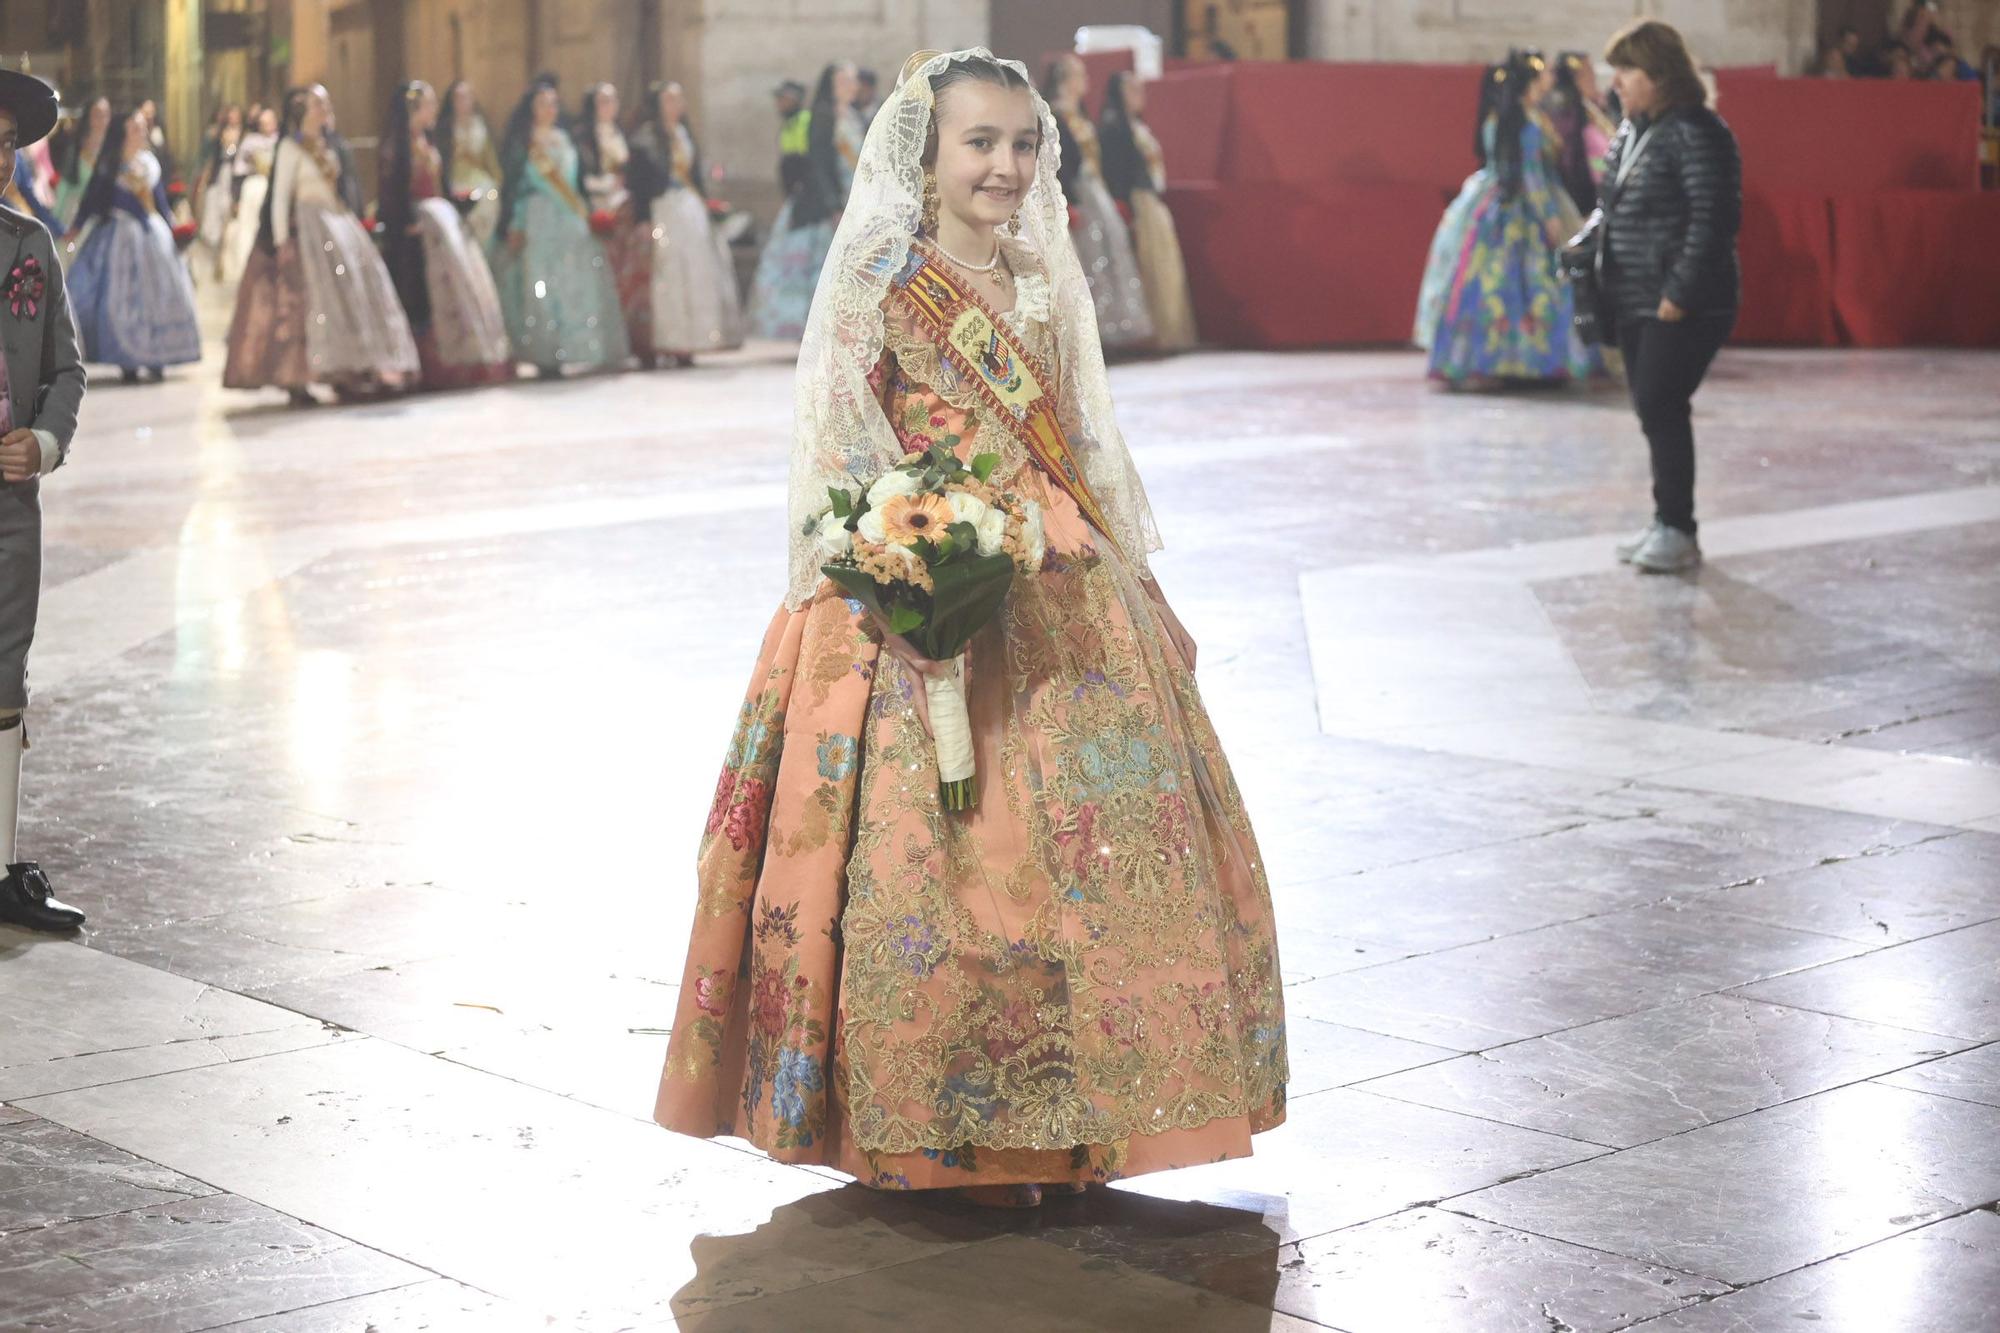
1012,226
928,223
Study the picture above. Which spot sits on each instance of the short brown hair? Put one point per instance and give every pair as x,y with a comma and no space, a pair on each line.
1657,49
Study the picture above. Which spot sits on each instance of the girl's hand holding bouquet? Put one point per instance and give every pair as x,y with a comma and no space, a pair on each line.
931,548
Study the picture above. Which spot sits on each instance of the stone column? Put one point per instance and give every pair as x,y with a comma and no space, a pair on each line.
181,97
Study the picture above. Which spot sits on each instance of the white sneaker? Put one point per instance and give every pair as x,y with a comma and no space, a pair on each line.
1630,546
1667,550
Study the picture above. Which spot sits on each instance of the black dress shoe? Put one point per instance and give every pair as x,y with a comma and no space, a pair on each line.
27,900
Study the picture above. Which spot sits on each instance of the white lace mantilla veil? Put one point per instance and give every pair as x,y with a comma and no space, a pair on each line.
840,435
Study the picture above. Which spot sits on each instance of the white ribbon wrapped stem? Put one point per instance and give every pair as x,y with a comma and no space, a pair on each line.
951,728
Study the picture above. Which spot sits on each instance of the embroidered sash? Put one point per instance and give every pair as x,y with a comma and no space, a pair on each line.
975,341
539,158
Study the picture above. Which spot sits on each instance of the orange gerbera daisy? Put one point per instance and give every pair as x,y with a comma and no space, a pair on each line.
908,518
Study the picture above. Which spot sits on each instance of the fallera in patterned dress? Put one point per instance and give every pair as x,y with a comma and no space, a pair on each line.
781,294
1075,981
1493,307
695,306
131,295
317,305
440,271
555,280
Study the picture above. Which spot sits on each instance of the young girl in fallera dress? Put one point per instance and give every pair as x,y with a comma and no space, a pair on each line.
555,281
788,270
1492,309
1077,980
252,171
317,305
131,294
692,281
1135,172
1102,237
604,155
470,160
440,270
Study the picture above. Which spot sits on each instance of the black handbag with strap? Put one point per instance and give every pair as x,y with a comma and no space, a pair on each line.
1580,261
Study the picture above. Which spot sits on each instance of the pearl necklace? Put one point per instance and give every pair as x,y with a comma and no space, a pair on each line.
988,269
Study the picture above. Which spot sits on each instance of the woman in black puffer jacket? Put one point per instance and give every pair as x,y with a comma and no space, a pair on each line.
1666,246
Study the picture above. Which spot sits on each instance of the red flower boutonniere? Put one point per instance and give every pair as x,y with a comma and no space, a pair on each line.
24,288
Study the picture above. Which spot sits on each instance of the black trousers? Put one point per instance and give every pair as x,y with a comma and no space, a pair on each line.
1664,365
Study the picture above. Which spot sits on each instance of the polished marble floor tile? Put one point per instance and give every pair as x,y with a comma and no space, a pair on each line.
430,1306
1948,984
1973,1076
1431,1269
1008,1283
1327,1055
1344,1157
562,1208
1631,1080
1897,895
1943,1278
50,1176
62,999
1772,1191
1538,982
181,1266
376,747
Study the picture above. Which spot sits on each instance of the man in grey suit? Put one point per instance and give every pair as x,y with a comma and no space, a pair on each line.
41,388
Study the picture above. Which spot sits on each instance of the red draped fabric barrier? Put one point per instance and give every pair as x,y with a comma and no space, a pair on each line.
1786,249
1918,267
1188,111
1285,265
1306,194
1844,136
1357,124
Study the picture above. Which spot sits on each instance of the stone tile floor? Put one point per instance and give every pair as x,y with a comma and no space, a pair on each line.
1642,936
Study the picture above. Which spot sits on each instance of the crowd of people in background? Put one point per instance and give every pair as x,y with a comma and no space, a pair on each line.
581,236
1919,48
568,242
1112,171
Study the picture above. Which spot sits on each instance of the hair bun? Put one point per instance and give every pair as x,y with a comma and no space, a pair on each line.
915,63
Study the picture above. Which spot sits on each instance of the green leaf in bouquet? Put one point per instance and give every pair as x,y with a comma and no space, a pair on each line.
904,619
857,585
843,503
983,465
966,595
964,535
927,550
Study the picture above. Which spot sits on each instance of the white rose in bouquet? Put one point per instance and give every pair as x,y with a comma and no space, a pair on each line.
871,527
992,527
967,508
891,484
834,539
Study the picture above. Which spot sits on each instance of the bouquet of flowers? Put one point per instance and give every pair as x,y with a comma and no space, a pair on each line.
184,234
931,546
603,222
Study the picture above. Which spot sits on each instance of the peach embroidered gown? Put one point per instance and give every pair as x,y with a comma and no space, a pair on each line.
1076,981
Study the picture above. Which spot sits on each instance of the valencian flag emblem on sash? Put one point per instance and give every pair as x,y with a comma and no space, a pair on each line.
976,343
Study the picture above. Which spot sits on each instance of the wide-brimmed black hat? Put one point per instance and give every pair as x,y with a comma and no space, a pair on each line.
33,104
